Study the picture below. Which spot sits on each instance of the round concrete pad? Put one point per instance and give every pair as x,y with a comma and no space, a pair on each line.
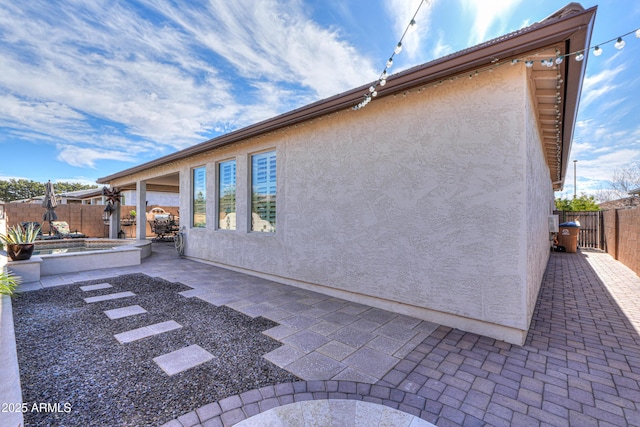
338,412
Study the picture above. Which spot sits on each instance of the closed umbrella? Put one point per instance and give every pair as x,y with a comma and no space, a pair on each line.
49,203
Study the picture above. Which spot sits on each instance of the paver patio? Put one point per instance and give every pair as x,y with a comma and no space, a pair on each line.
579,366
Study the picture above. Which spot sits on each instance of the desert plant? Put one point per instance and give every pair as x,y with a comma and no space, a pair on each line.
17,235
8,283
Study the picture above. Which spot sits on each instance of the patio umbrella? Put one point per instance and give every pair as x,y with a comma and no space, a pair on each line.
49,203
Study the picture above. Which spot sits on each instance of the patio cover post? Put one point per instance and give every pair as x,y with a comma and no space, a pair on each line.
114,224
141,210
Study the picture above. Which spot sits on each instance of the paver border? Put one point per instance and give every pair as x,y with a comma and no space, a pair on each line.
239,407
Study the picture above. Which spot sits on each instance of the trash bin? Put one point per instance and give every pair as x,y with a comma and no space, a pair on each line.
568,236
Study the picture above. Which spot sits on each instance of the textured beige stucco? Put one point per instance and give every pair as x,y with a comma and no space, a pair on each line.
539,206
418,203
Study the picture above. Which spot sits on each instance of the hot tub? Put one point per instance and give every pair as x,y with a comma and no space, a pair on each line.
70,256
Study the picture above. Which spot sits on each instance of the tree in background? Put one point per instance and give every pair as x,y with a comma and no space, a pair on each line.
582,203
626,179
18,189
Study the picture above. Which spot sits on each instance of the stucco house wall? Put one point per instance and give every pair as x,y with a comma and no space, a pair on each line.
420,214
432,201
540,204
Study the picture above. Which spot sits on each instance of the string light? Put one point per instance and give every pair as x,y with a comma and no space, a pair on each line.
559,59
382,80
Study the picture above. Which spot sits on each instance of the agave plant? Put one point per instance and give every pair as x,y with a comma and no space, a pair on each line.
8,283
17,235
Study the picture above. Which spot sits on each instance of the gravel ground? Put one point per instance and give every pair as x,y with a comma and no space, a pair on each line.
69,357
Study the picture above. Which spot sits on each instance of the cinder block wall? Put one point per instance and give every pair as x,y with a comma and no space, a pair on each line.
622,236
86,219
629,238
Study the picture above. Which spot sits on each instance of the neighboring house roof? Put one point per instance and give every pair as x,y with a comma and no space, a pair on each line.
635,191
81,194
564,32
75,195
625,203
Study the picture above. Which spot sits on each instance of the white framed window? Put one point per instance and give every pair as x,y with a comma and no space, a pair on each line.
263,192
227,195
199,197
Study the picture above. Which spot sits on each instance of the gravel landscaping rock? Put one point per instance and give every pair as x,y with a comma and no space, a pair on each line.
71,362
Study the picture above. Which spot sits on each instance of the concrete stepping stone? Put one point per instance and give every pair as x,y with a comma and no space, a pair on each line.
183,359
147,331
109,297
119,313
88,288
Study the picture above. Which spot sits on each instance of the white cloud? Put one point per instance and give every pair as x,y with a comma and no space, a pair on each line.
401,12
599,84
441,48
486,14
86,157
99,74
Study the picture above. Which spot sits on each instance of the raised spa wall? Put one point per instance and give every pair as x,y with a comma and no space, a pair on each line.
123,254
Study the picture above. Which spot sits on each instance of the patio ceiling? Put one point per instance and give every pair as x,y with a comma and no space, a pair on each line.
166,183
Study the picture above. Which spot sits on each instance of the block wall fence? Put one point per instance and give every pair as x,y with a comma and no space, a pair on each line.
86,219
622,236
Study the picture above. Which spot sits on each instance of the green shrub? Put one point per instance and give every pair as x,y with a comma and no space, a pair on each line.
8,283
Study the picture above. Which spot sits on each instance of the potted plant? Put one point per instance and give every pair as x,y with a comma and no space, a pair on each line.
19,241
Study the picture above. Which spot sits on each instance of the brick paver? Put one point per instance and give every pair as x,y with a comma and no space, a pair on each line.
580,364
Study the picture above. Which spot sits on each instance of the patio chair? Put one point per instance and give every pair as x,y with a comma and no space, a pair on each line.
61,228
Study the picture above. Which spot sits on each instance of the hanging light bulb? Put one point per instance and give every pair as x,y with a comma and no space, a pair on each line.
374,93
579,56
529,64
372,88
389,62
412,25
619,43
638,33
383,82
514,61
559,59
398,48
597,51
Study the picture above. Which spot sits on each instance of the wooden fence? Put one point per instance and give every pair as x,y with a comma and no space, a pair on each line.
591,227
616,231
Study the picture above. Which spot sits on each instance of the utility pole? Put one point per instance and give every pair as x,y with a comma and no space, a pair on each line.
575,188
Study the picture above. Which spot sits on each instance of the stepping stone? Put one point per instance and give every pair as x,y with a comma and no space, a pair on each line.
95,287
110,297
147,331
118,313
183,359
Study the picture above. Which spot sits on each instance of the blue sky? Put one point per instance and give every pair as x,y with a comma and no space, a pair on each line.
88,88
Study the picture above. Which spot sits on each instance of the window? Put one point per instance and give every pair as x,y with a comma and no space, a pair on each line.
263,192
199,207
227,195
